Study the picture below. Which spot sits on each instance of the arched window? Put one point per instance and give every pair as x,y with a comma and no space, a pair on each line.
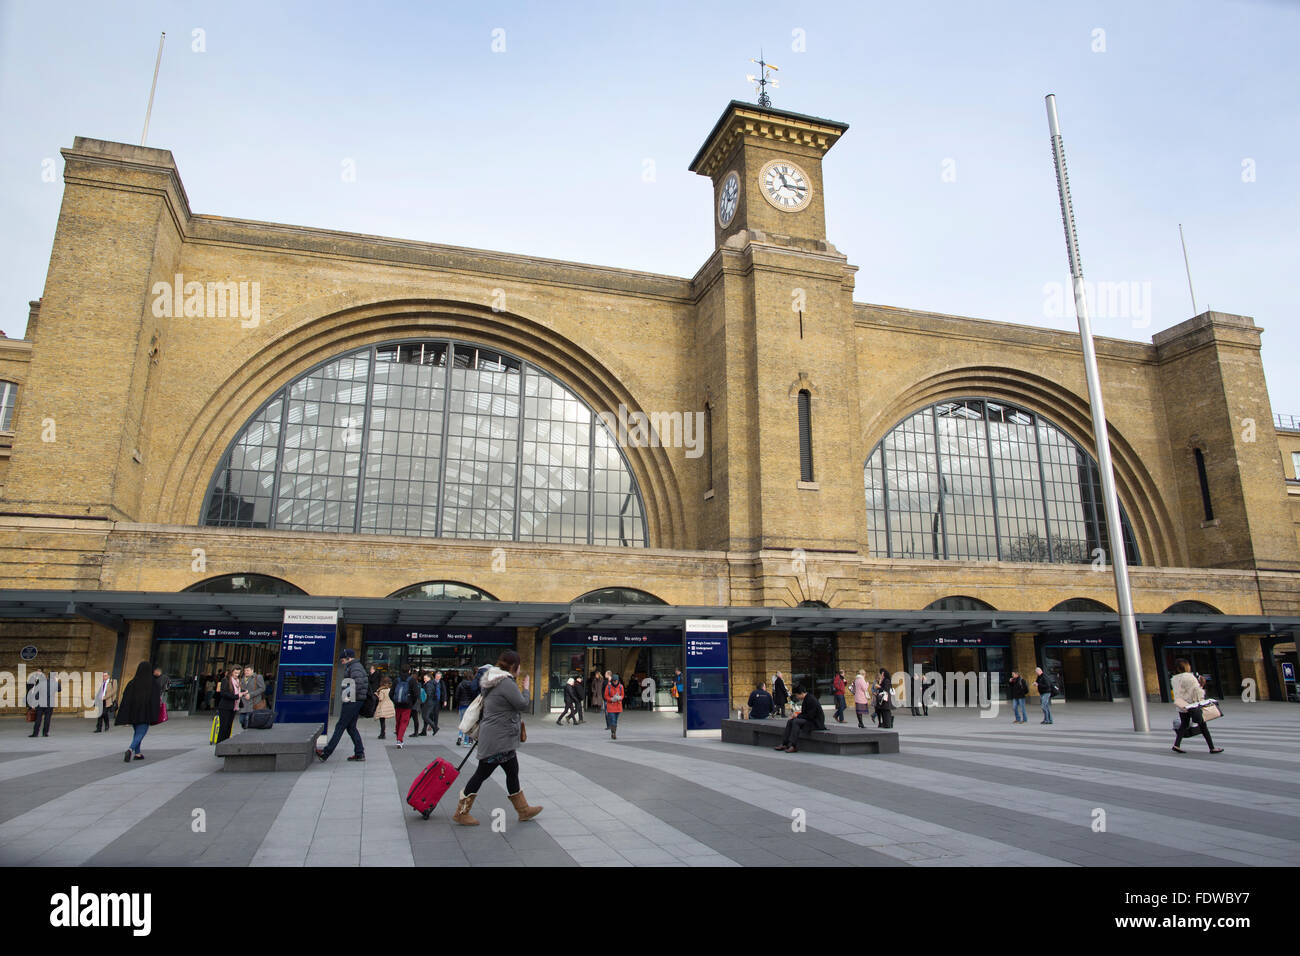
8,397
442,591
975,479
1191,607
959,602
432,438
246,584
805,436
1083,606
618,596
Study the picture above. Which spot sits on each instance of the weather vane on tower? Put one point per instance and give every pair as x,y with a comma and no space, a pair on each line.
763,80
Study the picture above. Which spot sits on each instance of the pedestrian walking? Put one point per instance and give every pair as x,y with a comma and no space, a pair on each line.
430,698
139,708
779,694
613,705
405,696
760,703
679,689
838,686
809,718
579,695
42,694
105,702
861,696
349,710
228,698
500,732
1045,691
466,691
1189,698
385,710
596,688
1018,690
570,707
885,700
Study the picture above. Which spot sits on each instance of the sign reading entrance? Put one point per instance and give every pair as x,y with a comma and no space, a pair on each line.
303,679
708,688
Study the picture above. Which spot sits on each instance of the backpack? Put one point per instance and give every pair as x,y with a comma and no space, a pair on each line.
401,694
424,696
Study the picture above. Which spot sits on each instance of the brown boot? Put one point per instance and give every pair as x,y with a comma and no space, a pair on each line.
463,805
522,808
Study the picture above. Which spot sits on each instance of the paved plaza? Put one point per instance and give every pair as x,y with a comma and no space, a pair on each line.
964,791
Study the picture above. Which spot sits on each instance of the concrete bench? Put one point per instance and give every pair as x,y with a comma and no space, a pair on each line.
281,747
835,739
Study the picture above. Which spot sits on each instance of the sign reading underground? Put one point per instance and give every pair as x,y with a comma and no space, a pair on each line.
302,687
708,689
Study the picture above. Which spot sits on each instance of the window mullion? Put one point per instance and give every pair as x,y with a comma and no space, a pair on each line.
273,517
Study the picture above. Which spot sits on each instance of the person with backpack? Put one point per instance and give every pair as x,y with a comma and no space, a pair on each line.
349,710
613,705
466,691
405,697
1045,691
429,698
139,708
1018,690
384,709
500,732
885,700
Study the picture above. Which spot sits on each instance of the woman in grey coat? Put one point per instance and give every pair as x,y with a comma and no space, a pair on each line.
498,736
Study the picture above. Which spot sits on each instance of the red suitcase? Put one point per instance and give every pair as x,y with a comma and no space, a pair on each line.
434,781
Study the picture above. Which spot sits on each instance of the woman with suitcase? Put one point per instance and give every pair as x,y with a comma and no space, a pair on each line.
500,731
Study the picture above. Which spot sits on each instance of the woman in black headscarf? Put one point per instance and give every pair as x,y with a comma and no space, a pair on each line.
139,707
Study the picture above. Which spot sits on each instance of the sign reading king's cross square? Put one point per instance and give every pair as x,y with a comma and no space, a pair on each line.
304,677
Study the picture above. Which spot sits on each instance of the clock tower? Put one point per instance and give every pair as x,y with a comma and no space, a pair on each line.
776,347
766,167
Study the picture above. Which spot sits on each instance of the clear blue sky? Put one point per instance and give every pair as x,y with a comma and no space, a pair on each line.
541,149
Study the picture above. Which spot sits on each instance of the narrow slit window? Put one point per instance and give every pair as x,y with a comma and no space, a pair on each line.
1205,484
708,443
805,436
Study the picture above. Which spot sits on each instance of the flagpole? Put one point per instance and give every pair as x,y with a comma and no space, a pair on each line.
153,86
1118,558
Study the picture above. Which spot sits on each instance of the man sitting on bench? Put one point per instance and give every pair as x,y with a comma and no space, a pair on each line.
810,717
760,703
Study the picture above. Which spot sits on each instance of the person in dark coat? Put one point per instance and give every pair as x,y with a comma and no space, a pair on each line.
779,694
42,694
579,696
139,707
1018,690
885,699
570,703
810,717
349,710
596,687
228,698
760,703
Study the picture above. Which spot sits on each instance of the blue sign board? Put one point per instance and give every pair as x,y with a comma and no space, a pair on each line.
586,638
228,633
307,655
706,660
1288,672
440,635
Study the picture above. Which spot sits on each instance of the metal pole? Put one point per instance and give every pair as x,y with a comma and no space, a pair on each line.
1188,267
1119,560
153,86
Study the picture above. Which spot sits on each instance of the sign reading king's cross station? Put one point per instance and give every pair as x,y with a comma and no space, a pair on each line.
304,677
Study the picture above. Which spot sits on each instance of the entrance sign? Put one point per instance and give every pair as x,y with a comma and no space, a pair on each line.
307,654
706,647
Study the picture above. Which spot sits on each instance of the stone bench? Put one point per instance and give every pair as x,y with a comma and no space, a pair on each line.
281,747
835,739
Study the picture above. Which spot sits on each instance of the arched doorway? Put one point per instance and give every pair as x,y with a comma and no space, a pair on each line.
1212,655
960,658
1089,667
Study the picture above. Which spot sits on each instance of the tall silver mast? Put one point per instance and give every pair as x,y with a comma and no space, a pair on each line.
1118,558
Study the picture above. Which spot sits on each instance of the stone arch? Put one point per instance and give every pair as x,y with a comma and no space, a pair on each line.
312,337
1149,516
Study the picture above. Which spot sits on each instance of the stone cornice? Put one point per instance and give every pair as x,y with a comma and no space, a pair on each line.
741,120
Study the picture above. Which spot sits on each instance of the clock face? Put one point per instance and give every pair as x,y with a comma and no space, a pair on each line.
785,186
728,199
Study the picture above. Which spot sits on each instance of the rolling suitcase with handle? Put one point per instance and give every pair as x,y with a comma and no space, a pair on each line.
434,781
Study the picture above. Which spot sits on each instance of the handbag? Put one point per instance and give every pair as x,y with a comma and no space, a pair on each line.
1211,711
31,715
523,732
162,711
261,704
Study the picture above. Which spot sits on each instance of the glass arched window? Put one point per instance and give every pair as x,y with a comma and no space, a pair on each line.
618,596
1191,607
442,591
959,602
432,438
246,584
975,479
1083,606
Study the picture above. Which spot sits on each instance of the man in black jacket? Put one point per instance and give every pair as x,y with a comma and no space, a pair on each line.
810,717
760,703
1045,691
354,688
1018,690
